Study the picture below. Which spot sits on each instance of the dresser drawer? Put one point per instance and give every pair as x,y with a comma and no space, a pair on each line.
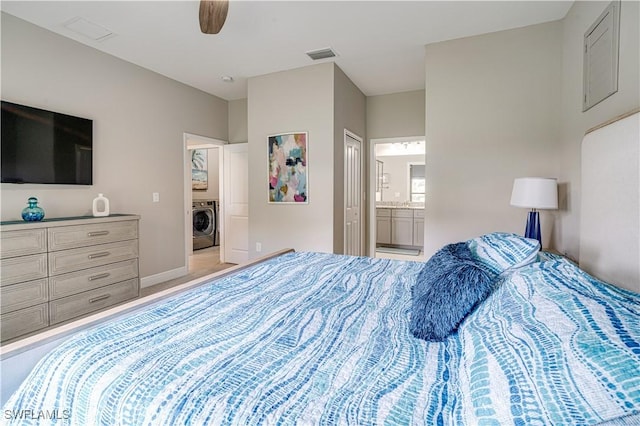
61,262
26,268
14,324
23,295
418,213
402,213
383,212
80,304
22,242
89,279
68,237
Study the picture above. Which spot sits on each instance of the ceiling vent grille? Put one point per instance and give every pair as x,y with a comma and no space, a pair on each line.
321,54
88,29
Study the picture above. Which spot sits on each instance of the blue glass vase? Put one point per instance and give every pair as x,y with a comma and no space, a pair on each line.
33,213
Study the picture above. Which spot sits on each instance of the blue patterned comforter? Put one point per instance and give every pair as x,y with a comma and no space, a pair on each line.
313,338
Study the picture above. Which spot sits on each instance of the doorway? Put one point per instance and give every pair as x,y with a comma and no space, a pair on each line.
202,203
397,196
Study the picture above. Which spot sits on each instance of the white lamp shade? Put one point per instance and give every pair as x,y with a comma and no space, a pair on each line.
535,193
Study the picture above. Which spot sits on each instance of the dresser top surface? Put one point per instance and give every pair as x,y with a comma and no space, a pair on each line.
15,225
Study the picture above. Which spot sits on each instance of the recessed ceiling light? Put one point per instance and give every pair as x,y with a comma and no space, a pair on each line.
88,29
227,78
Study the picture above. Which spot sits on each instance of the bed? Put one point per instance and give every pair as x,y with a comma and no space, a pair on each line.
313,338
322,339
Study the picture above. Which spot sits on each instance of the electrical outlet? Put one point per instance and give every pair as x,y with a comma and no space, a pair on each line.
258,247
156,197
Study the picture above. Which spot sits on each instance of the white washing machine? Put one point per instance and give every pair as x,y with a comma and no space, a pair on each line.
204,223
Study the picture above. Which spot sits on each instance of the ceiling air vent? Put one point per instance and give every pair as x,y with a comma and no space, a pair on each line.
321,54
88,29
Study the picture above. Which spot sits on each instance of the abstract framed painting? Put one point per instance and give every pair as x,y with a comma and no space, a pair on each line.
199,173
288,168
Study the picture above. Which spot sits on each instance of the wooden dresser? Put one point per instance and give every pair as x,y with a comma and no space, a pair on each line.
61,269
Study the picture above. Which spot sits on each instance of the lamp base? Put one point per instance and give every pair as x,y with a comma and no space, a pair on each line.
533,227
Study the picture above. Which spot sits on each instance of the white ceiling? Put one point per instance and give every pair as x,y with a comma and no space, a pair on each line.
380,43
400,149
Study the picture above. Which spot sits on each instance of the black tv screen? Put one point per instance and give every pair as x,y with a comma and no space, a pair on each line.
40,146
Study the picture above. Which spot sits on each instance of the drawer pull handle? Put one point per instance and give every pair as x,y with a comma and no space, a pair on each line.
99,298
99,276
97,255
97,233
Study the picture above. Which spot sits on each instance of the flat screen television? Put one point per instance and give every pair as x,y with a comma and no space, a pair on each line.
40,146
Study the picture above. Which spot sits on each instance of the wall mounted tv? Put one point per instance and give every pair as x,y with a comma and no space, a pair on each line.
41,146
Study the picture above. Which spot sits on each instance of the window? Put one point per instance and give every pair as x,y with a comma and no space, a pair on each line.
417,183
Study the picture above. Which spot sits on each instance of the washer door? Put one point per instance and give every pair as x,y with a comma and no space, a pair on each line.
203,224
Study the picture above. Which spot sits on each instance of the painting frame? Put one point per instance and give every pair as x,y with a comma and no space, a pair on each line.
288,168
199,169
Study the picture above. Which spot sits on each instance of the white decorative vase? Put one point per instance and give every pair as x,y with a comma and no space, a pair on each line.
100,206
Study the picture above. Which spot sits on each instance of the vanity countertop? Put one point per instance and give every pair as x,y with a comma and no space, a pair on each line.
410,207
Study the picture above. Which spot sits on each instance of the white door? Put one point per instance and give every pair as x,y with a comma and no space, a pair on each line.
235,204
352,194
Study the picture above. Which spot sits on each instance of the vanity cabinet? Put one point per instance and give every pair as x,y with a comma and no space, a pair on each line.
60,269
402,227
383,226
418,228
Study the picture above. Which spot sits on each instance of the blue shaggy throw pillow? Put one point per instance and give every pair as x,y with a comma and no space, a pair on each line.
451,284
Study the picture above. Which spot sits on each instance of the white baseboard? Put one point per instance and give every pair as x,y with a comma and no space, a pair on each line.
163,276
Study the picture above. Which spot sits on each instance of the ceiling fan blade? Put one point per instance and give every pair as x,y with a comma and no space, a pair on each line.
212,15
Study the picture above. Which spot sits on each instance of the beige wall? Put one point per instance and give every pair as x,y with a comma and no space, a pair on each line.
139,119
492,114
349,113
575,122
238,126
292,101
484,99
397,167
396,115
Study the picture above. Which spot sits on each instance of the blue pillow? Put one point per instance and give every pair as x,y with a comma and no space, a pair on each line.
501,251
450,285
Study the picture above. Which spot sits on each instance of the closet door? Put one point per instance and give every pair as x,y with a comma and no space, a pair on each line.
352,194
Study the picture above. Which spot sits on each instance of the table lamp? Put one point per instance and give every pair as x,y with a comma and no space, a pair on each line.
535,193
